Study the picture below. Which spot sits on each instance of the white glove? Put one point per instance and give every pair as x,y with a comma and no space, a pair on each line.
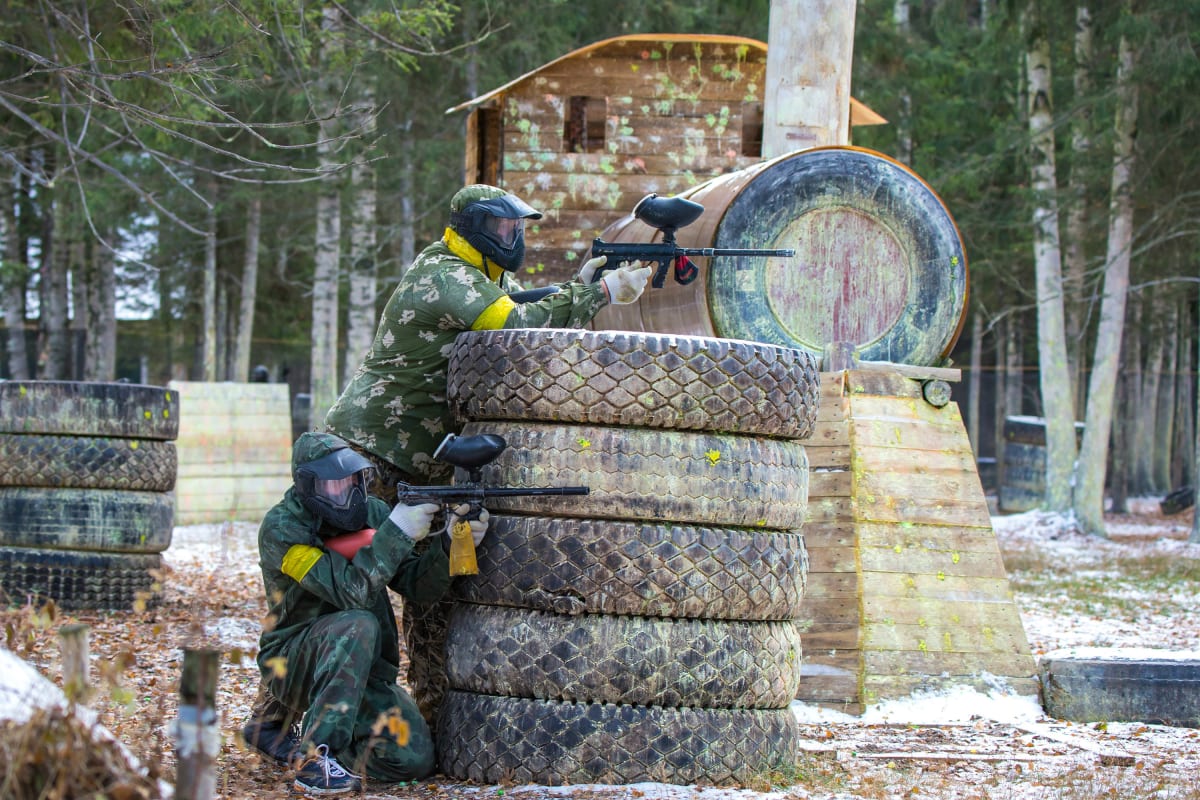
626,284
414,521
588,271
478,526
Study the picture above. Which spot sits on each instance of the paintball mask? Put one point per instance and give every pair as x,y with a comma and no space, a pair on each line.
333,485
495,225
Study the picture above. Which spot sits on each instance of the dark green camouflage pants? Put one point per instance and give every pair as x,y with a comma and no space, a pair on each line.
352,701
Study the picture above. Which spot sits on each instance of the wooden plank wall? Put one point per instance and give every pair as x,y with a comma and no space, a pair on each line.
235,450
904,564
675,116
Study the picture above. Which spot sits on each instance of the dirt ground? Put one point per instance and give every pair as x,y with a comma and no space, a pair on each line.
211,596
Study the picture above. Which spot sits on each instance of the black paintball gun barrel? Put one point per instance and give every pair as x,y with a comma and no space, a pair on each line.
471,453
668,214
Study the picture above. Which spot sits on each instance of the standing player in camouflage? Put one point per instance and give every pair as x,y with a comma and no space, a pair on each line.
395,409
329,553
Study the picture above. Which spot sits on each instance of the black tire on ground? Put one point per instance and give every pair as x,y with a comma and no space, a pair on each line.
1178,501
87,462
1094,687
648,475
620,659
74,408
634,379
86,519
580,566
492,740
77,580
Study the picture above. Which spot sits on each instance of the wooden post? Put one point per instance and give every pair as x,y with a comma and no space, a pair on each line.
197,739
806,99
76,669
838,356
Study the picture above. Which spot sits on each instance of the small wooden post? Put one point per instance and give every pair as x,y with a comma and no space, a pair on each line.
197,739
76,669
838,356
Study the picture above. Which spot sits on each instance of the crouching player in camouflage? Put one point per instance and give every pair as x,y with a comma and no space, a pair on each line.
395,411
329,552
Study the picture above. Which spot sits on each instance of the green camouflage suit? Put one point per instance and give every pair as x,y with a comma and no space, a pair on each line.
395,406
395,409
332,649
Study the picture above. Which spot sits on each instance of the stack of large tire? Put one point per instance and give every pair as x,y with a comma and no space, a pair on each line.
643,632
86,503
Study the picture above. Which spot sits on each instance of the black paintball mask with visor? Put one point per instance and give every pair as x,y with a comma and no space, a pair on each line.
334,487
496,228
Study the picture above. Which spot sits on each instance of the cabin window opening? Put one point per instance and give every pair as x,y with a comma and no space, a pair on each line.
584,127
752,129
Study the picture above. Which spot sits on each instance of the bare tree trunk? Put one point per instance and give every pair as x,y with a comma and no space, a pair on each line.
1164,426
975,382
1147,417
904,142
360,313
1055,378
1009,385
100,342
224,345
1074,256
54,354
1089,482
329,230
1183,468
249,295
1194,536
14,276
208,346
1124,409
408,235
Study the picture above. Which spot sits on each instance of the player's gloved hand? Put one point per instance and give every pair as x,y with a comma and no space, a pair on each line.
478,526
414,521
626,284
587,273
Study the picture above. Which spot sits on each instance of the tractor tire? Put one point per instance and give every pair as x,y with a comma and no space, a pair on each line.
108,520
87,462
573,566
602,658
634,379
77,580
1093,686
507,740
650,475
74,408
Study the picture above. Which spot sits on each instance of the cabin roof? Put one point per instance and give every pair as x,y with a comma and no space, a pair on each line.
860,114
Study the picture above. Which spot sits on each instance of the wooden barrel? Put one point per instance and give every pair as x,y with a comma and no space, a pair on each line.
879,261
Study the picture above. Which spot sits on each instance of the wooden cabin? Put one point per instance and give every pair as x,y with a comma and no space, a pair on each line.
586,136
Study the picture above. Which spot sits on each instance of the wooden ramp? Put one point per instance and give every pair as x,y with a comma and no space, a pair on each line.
235,450
906,587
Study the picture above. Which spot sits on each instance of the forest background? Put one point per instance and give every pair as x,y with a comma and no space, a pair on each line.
243,183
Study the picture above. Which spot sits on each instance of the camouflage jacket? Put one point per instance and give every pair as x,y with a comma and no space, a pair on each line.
396,405
305,580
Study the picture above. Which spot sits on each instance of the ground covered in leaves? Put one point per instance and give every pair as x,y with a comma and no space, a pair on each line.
1137,589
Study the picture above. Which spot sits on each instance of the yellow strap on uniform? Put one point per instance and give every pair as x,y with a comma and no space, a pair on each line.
494,316
300,559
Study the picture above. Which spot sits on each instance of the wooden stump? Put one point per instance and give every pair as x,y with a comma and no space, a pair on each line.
906,589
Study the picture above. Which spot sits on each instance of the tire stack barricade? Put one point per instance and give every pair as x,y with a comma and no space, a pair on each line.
86,503
645,631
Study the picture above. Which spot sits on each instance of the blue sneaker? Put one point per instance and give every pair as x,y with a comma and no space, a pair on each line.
322,774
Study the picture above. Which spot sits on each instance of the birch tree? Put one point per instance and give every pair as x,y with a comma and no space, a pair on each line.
1075,253
249,293
360,313
1057,405
1089,480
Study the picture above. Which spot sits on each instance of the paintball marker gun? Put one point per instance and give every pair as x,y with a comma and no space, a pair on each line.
667,214
470,453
